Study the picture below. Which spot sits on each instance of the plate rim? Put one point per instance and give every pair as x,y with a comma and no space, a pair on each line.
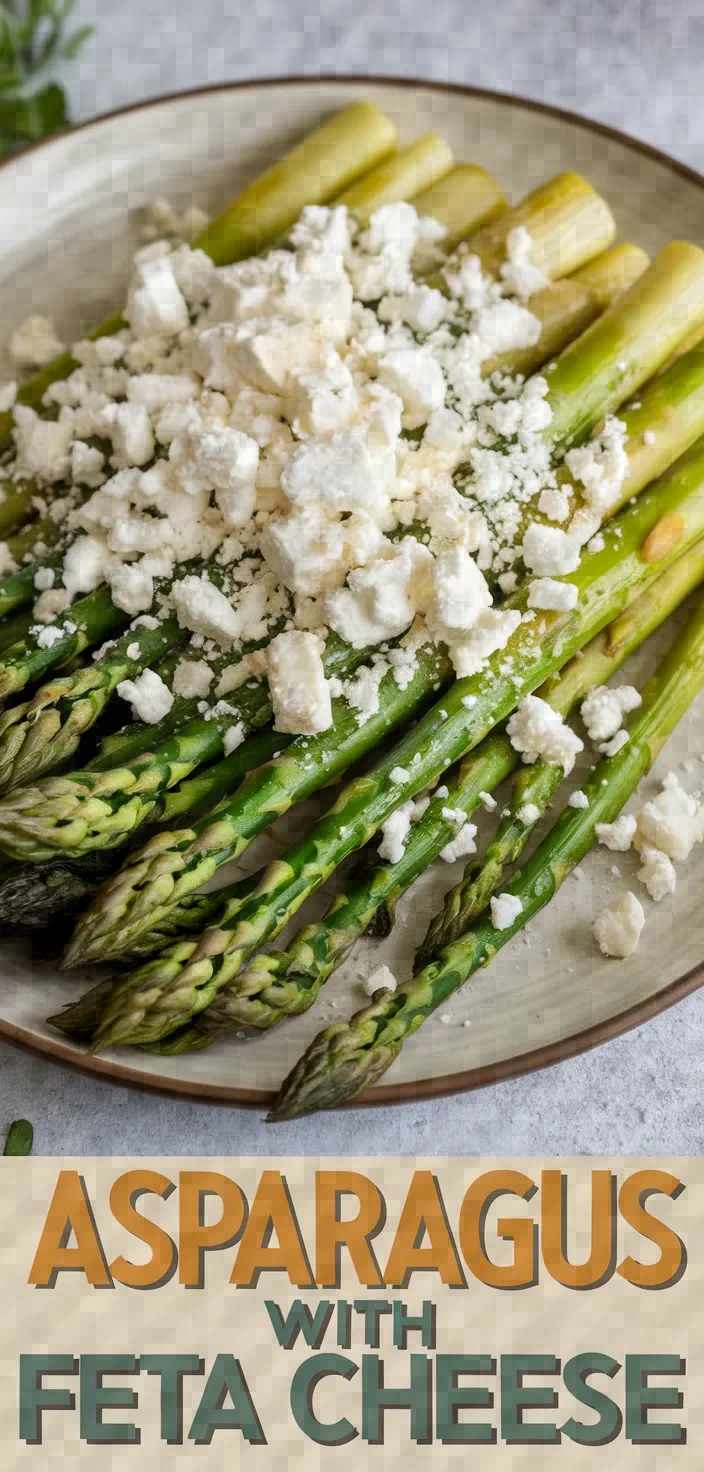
520,1064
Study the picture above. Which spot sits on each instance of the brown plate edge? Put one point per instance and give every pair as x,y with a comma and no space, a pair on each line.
444,1084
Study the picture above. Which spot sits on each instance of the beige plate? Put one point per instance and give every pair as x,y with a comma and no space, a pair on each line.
69,217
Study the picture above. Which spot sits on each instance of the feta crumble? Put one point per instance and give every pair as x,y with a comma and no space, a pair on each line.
148,695
300,693
617,929
538,732
617,836
505,909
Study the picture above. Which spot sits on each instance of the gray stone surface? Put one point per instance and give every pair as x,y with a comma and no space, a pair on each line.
637,67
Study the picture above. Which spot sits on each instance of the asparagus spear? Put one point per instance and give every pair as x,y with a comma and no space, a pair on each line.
34,896
44,732
91,809
536,785
79,1019
462,200
642,541
86,622
567,307
327,161
349,1057
284,983
420,166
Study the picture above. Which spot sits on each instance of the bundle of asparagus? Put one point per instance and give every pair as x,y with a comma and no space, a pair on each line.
345,1059
608,326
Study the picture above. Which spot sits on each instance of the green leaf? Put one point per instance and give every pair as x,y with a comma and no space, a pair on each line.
75,43
20,1138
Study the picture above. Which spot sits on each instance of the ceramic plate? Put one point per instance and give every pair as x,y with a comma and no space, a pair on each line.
69,219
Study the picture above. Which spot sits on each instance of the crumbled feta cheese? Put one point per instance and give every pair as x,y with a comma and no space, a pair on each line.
133,650
203,609
129,427
86,563
221,459
538,732
602,467
192,678
673,821
490,632
381,980
488,801
617,836
87,464
234,737
554,503
343,474
528,814
617,929
49,636
155,390
155,303
548,593
149,697
131,586
463,842
8,395
604,708
549,552
43,445
416,376
300,693
460,593
657,872
505,909
381,600
520,276
597,543
616,744
306,550
44,578
323,403
422,307
35,343
395,832
578,799
399,775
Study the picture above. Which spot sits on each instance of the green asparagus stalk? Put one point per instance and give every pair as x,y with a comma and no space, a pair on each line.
79,1019
348,1058
535,786
567,307
462,200
284,983
86,622
91,809
404,175
326,162
42,733
34,896
642,542
567,220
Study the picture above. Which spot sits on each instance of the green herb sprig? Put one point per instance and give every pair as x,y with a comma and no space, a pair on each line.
35,38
